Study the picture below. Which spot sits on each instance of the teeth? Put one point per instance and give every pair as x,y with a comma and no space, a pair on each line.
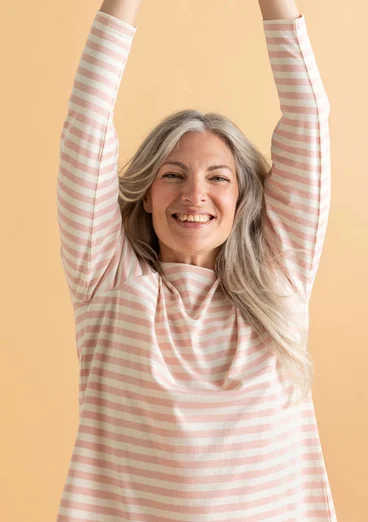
200,218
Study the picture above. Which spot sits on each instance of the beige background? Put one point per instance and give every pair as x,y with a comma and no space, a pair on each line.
205,54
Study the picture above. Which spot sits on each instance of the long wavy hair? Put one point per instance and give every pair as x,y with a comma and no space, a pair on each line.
249,265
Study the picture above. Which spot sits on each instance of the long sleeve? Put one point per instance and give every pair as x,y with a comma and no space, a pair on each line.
94,249
183,409
297,189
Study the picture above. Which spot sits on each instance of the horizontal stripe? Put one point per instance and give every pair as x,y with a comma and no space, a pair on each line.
182,405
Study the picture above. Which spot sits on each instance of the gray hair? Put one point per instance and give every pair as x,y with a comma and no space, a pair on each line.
248,265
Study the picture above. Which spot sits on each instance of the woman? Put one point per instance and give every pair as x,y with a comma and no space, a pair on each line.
190,276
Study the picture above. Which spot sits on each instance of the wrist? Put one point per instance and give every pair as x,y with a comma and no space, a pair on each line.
125,10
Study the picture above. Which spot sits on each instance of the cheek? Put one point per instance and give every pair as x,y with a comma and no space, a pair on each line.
228,204
162,197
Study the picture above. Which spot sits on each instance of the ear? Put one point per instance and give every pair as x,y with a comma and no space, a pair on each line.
147,204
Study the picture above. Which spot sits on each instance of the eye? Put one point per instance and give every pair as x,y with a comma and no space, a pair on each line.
220,178
170,174
174,174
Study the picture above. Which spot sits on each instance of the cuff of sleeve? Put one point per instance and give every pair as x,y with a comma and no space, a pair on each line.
295,22
115,24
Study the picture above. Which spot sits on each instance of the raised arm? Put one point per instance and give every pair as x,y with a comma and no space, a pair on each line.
297,189
95,253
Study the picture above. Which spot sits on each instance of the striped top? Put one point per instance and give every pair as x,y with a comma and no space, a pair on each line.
181,405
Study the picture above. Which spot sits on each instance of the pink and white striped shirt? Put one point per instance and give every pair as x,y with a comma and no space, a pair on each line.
181,404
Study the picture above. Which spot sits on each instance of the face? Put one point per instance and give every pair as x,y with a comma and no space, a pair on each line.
196,188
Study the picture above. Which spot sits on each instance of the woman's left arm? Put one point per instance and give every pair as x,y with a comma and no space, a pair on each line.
297,189
279,9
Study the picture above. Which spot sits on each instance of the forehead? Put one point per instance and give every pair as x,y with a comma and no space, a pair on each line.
197,148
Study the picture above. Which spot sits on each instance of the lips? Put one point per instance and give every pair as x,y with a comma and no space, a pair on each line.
193,225
184,214
177,219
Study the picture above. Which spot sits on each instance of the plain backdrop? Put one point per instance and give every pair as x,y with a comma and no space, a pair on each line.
205,54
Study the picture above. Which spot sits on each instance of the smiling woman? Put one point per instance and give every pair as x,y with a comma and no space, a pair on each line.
193,336
234,245
194,191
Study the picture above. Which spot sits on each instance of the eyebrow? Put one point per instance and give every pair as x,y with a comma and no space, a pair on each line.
186,168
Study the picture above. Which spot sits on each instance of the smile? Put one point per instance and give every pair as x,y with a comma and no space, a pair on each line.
193,224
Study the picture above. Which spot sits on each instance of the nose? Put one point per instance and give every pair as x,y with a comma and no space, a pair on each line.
194,190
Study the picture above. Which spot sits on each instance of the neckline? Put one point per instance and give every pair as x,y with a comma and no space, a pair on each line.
188,266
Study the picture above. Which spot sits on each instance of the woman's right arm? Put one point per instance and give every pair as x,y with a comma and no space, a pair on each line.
95,253
126,10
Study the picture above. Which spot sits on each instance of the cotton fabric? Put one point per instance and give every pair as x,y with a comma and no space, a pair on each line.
183,409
